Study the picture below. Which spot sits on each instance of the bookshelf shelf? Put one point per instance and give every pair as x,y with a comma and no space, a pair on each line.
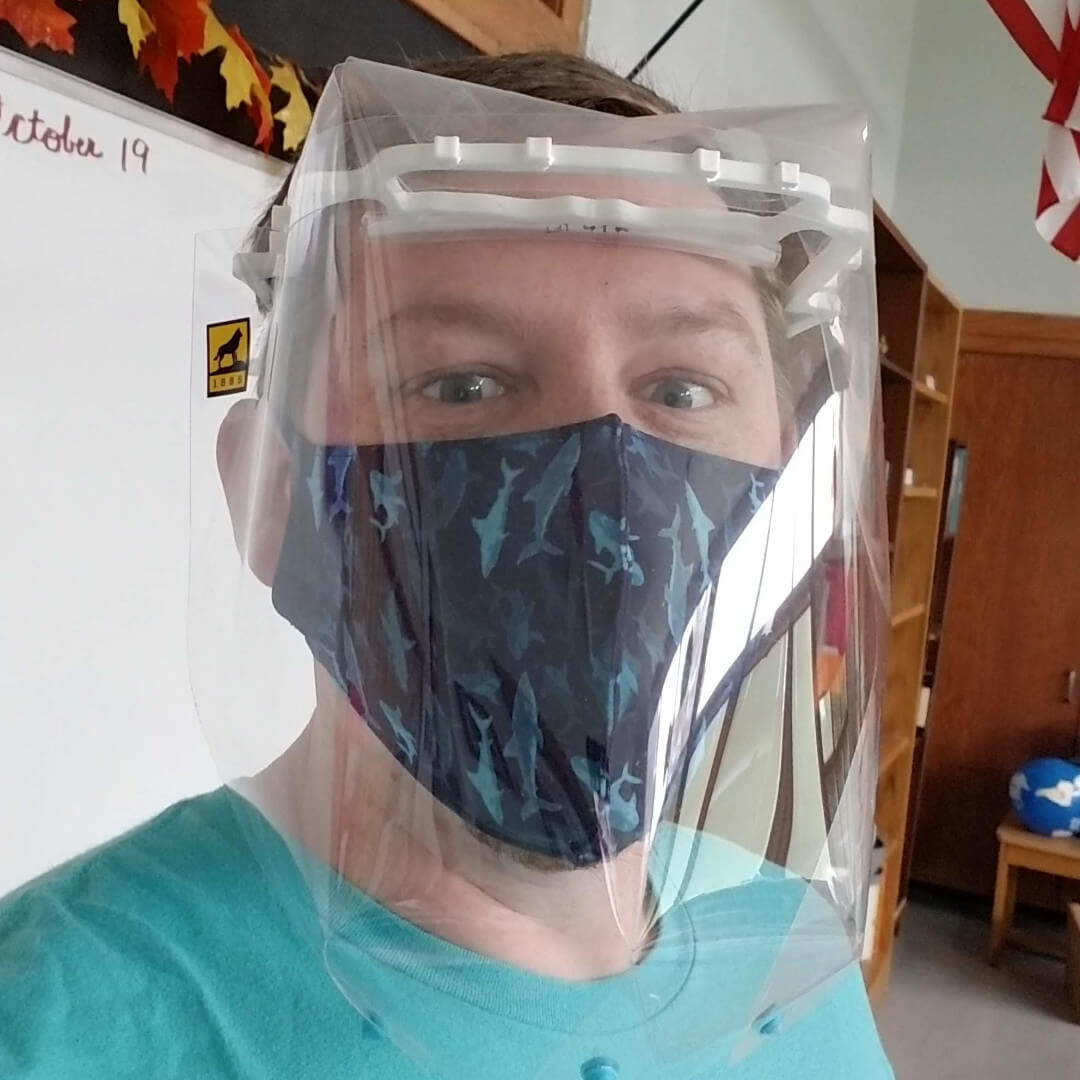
893,750
929,393
899,618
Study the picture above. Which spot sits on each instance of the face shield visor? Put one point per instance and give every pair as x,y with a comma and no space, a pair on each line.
537,553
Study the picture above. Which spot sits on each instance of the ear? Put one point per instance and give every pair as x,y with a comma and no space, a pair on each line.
253,461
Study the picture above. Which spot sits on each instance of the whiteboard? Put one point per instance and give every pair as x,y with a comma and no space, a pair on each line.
100,200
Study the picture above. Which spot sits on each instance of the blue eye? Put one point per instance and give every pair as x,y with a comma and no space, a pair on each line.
680,394
463,388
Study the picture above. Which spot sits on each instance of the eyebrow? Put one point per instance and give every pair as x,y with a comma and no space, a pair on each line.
678,320
466,314
683,320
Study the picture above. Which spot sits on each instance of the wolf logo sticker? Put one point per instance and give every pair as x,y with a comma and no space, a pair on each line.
227,350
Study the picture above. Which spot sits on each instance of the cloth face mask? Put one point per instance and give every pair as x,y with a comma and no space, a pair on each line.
503,611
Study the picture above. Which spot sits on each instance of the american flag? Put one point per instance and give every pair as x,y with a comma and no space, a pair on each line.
1049,32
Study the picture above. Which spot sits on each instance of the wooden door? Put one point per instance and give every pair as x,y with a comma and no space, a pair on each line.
1012,622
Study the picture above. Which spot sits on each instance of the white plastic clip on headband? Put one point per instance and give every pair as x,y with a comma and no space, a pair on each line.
263,266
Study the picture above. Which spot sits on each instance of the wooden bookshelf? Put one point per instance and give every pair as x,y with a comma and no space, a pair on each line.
920,325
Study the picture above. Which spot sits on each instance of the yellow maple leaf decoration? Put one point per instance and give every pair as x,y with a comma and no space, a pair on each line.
236,69
245,81
139,25
295,114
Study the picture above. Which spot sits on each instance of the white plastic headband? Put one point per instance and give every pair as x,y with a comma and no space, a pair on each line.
727,232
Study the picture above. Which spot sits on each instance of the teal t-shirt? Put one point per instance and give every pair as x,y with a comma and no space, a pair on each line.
171,952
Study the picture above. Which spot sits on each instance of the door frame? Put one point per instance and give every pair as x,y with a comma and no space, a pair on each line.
1013,333
498,26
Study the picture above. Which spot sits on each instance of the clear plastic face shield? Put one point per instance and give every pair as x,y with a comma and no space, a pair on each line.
538,553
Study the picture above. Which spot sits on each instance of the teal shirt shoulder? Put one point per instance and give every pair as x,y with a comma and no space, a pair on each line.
168,953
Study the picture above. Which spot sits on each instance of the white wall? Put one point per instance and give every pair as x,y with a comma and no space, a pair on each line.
620,32
732,53
970,164
99,728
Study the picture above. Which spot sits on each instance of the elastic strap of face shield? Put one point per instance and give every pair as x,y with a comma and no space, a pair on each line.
260,266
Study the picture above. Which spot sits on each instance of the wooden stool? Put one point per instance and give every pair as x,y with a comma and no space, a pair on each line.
1024,850
1072,963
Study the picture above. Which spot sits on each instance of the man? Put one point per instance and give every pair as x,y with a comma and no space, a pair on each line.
542,685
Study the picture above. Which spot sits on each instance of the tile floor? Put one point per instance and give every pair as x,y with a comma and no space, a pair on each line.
950,1016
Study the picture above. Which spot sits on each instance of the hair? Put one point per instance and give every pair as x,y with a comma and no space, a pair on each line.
568,79
558,77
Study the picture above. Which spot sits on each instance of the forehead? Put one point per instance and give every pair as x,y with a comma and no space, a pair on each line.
564,277
548,267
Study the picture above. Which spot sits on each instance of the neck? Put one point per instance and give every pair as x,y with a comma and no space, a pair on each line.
388,836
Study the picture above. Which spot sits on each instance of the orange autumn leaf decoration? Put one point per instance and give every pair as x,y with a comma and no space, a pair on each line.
246,83
164,32
179,29
40,22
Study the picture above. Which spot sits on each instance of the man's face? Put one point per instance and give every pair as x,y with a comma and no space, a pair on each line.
465,338
430,339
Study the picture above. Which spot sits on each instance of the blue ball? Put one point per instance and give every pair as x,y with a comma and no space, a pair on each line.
1045,794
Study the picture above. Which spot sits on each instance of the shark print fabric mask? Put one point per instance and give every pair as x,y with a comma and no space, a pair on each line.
503,611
